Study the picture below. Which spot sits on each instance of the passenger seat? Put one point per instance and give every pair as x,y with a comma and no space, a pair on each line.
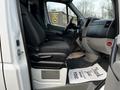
36,39
53,33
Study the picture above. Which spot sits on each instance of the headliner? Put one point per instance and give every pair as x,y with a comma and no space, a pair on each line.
61,1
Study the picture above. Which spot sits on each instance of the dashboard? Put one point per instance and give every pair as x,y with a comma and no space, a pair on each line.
100,35
101,29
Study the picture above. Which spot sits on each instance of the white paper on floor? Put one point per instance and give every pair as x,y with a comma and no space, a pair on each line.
92,73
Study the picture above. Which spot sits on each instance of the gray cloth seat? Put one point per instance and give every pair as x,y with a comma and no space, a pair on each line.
55,46
36,37
52,32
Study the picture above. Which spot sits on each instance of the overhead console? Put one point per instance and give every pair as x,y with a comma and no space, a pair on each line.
100,35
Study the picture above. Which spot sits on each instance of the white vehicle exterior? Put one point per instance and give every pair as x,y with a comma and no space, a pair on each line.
14,58
14,71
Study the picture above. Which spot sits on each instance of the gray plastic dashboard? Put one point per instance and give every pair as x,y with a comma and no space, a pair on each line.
101,29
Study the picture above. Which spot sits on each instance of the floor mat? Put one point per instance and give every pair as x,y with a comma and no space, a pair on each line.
91,73
78,63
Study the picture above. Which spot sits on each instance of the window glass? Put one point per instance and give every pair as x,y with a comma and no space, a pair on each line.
72,15
95,8
58,14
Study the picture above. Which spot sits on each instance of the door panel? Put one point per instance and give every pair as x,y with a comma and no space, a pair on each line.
112,83
116,69
2,87
113,78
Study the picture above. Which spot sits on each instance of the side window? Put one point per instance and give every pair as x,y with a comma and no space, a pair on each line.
58,14
102,9
72,15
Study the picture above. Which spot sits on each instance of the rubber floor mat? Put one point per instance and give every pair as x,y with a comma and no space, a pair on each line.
78,63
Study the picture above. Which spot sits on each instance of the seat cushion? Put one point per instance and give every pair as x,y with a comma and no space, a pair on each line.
55,47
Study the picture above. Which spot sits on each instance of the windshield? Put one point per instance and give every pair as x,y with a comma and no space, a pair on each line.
95,8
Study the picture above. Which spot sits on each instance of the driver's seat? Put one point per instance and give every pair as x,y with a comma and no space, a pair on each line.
36,38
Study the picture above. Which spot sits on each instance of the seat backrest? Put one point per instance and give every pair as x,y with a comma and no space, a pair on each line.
34,33
41,22
38,15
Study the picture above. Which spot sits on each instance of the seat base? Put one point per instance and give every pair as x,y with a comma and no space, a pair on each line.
48,78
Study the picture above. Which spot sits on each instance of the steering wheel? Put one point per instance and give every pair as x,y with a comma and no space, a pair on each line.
69,25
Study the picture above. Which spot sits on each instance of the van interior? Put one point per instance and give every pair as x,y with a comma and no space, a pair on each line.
52,50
